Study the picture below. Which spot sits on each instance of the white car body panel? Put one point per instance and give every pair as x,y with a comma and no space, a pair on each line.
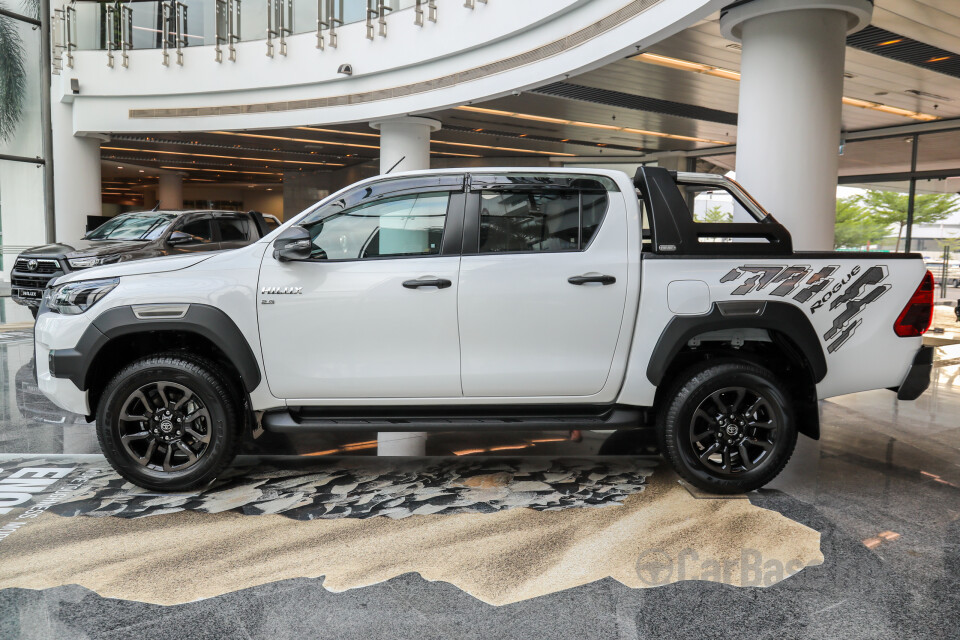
358,329
163,264
526,331
874,357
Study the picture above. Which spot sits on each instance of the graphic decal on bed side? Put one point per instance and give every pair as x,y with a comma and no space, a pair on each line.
826,288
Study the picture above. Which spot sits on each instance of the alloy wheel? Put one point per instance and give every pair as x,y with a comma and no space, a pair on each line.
734,430
165,426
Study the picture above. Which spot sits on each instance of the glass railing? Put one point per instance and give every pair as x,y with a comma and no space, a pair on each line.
144,24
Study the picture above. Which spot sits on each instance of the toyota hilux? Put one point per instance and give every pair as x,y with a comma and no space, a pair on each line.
488,299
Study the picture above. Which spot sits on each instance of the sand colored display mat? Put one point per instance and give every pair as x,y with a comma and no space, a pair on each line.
499,555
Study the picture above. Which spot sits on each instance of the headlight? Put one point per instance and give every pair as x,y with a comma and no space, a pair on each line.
74,298
91,261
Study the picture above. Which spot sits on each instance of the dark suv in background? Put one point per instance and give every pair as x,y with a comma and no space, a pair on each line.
135,236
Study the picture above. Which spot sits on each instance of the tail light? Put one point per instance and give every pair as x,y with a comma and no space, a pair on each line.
916,317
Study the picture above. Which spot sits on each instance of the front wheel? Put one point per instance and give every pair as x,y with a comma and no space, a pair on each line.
729,426
168,423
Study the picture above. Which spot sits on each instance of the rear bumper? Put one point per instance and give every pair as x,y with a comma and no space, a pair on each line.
918,377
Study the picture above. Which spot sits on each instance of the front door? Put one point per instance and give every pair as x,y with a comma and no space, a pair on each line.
543,284
373,313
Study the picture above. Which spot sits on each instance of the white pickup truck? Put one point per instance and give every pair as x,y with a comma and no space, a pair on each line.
488,299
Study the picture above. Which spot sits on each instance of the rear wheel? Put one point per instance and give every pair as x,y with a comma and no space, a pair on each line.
729,427
168,423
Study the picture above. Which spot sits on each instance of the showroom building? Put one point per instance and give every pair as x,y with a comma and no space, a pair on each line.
840,117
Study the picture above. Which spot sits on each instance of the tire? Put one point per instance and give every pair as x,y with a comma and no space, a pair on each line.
200,416
703,443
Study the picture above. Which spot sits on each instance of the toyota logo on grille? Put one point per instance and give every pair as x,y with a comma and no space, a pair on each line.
32,265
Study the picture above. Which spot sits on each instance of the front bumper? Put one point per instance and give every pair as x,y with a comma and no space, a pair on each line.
918,377
61,391
27,296
51,331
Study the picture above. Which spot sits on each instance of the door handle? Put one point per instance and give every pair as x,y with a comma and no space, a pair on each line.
604,280
439,283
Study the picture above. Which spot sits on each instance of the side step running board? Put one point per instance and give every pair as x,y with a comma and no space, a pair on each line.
293,421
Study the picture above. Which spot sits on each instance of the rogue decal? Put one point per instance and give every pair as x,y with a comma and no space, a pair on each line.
823,287
844,324
817,283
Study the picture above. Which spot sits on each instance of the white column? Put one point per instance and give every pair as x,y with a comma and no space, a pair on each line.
405,140
788,130
170,193
77,185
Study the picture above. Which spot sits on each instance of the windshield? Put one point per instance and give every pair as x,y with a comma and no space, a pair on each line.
135,226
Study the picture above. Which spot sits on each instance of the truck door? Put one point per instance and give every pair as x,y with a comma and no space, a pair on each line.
373,312
542,284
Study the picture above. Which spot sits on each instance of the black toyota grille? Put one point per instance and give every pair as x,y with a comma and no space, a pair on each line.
43,266
31,282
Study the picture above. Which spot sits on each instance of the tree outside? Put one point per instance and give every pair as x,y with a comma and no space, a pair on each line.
13,79
889,208
855,227
717,214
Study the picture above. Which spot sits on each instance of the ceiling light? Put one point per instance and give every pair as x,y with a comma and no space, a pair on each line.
676,63
686,65
939,59
590,125
377,147
260,173
345,133
483,146
897,111
459,155
210,155
307,140
889,42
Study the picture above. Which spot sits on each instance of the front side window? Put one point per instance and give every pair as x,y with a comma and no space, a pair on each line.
556,219
406,225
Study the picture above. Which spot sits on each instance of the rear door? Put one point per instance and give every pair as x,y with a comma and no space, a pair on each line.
543,284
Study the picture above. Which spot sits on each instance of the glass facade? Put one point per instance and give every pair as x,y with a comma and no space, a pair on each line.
198,19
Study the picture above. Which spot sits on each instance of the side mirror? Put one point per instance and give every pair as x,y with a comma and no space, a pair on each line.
179,237
293,244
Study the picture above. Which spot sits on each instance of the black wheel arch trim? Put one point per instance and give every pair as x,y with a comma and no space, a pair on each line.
204,320
782,317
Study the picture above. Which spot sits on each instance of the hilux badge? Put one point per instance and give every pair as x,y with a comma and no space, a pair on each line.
280,290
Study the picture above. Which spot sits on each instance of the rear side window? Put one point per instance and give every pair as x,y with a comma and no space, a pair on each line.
541,220
235,229
200,230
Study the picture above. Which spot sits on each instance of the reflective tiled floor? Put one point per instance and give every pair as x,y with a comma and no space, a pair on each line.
882,487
